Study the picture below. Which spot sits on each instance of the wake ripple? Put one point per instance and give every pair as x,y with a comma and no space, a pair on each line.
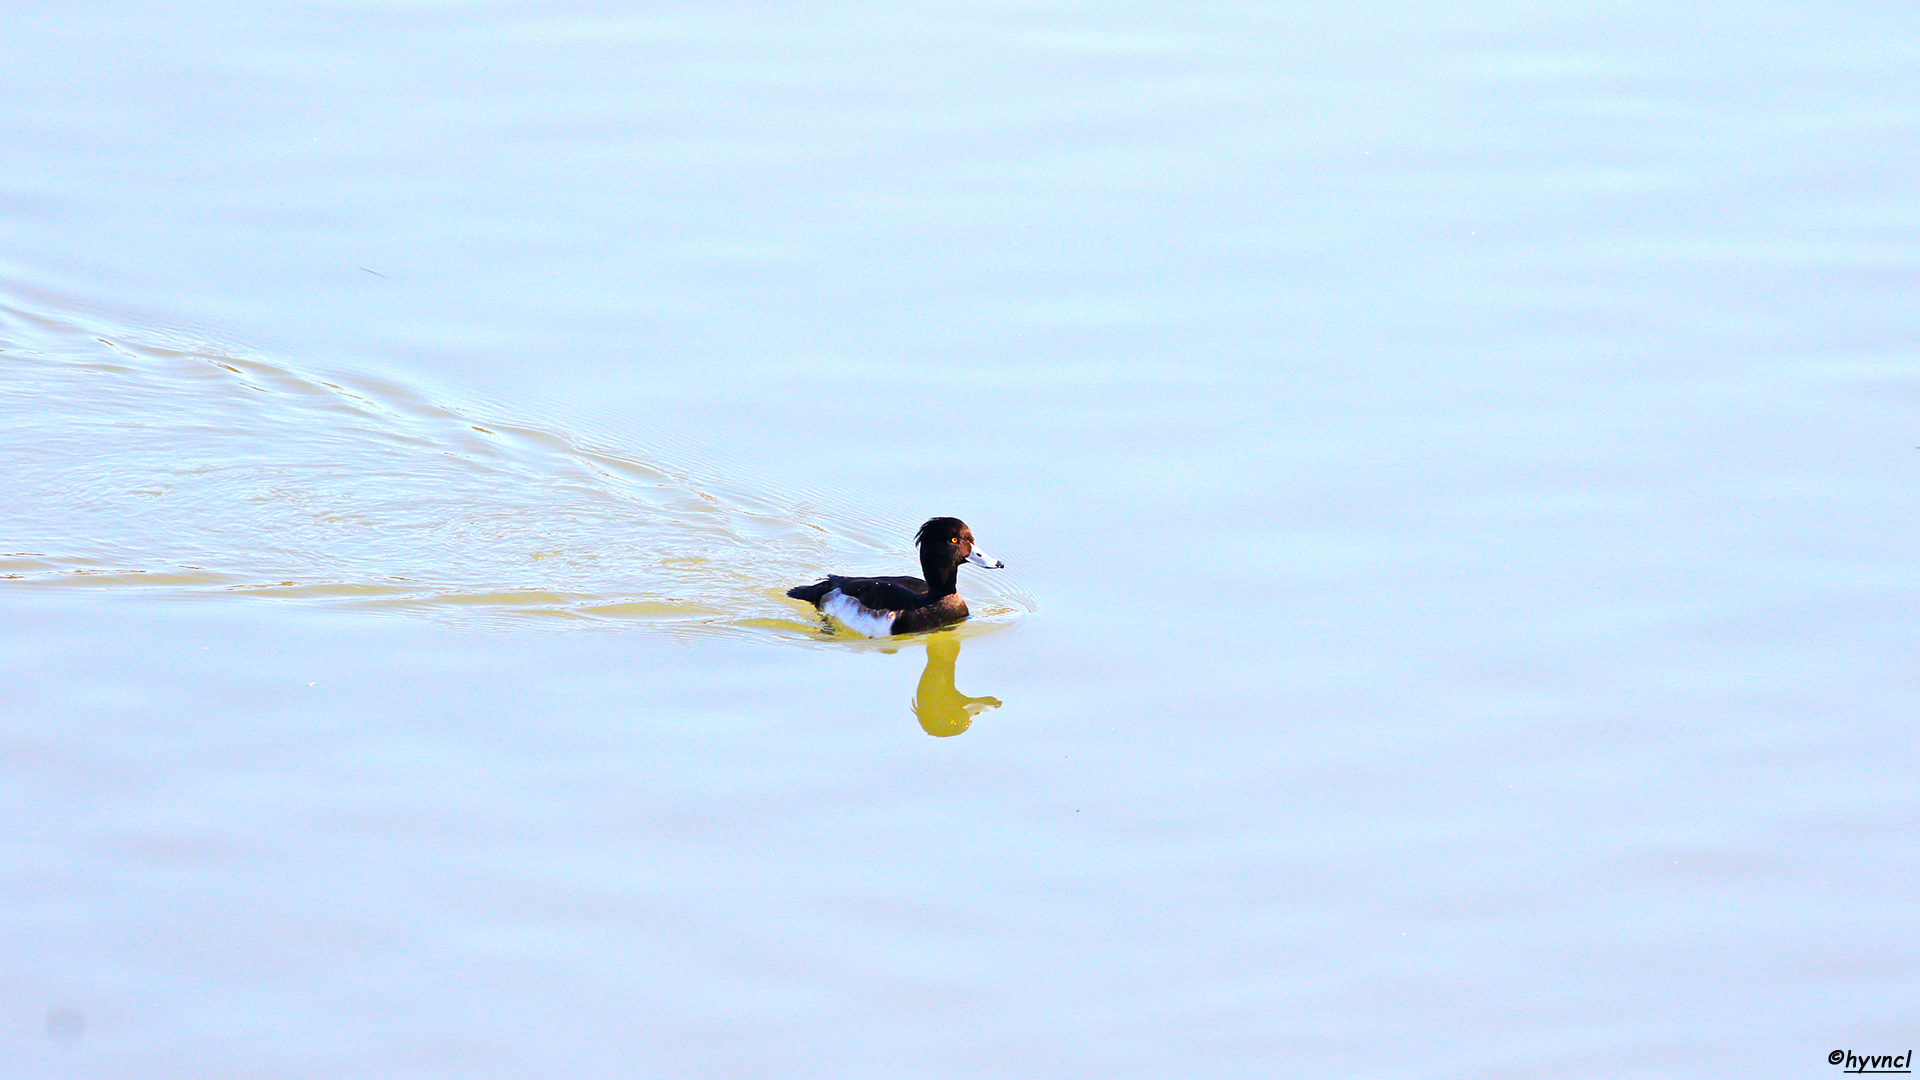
147,460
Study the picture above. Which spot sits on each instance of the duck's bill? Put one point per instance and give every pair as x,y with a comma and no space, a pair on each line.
981,558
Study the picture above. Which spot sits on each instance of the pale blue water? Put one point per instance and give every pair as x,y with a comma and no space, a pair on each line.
1454,468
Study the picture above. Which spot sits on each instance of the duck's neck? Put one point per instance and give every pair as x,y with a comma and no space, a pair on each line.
943,577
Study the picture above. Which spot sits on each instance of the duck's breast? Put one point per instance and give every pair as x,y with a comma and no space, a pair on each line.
942,612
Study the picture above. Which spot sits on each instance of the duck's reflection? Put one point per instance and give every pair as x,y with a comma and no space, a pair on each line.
942,709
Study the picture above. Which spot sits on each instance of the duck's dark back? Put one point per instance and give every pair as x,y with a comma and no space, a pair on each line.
878,593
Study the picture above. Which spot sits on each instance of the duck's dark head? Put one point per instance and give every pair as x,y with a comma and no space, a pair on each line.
945,543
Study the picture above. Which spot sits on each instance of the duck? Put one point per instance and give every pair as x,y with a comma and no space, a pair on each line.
884,606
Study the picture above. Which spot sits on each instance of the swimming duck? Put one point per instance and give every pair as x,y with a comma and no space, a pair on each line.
878,606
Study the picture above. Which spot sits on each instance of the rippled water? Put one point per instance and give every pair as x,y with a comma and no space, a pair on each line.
1455,469
191,467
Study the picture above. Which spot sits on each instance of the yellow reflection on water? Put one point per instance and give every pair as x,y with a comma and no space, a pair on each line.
942,709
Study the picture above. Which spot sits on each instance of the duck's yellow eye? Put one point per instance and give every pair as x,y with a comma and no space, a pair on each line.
953,539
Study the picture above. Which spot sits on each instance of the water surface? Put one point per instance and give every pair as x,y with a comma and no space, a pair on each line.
1454,467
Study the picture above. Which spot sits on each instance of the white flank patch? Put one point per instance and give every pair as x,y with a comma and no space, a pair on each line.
862,619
